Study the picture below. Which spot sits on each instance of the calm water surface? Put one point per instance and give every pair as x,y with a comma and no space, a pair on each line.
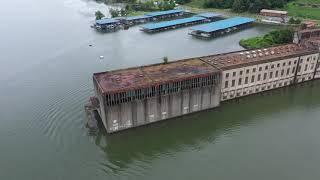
46,66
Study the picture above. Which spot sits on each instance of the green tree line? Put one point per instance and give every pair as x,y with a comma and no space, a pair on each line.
252,6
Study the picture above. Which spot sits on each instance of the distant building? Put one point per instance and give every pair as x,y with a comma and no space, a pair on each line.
309,24
274,16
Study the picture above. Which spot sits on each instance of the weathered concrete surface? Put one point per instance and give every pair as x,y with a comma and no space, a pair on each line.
141,112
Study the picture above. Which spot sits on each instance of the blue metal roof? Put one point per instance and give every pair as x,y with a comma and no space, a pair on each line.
209,15
223,24
106,21
164,24
130,18
160,13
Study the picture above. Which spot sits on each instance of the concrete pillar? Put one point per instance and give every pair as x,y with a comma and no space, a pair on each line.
185,108
152,110
175,104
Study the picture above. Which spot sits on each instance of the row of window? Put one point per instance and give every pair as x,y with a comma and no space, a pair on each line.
263,88
276,75
272,66
163,89
265,76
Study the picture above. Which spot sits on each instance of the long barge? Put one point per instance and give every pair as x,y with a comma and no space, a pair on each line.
138,96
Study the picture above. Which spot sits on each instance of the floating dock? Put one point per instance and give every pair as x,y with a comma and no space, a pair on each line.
222,27
133,20
166,14
107,24
173,24
209,15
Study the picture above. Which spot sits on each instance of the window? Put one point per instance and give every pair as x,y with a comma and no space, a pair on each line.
259,77
266,68
289,63
288,71
278,65
272,66
299,68
227,75
282,72
240,81
260,68
254,70
308,59
306,67
233,83
240,72
248,71
295,61
293,70
277,72
265,76
234,74
226,84
252,79
246,80
271,74
284,64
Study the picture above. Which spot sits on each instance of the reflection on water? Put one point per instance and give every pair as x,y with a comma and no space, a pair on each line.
197,131
45,80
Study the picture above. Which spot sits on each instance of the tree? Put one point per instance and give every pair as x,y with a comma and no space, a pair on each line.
165,60
114,12
257,5
240,5
99,15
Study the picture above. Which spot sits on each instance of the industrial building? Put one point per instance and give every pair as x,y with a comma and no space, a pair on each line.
137,96
274,16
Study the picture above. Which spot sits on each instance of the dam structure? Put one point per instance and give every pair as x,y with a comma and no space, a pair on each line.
137,96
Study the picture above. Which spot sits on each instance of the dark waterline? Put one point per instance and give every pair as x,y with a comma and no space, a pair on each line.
45,76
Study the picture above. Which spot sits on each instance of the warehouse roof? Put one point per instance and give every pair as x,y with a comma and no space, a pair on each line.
223,24
164,24
161,13
146,76
106,21
257,56
273,11
209,15
151,75
130,18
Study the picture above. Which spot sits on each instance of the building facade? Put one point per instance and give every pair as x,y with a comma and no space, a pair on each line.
138,96
274,16
259,77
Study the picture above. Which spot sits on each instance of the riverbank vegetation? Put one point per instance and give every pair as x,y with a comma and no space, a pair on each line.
307,9
252,6
277,37
135,7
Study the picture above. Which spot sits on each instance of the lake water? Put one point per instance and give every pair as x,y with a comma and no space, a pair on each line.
46,68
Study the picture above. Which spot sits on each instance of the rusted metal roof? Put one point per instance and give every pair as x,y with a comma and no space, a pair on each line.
273,11
257,56
156,74
152,75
